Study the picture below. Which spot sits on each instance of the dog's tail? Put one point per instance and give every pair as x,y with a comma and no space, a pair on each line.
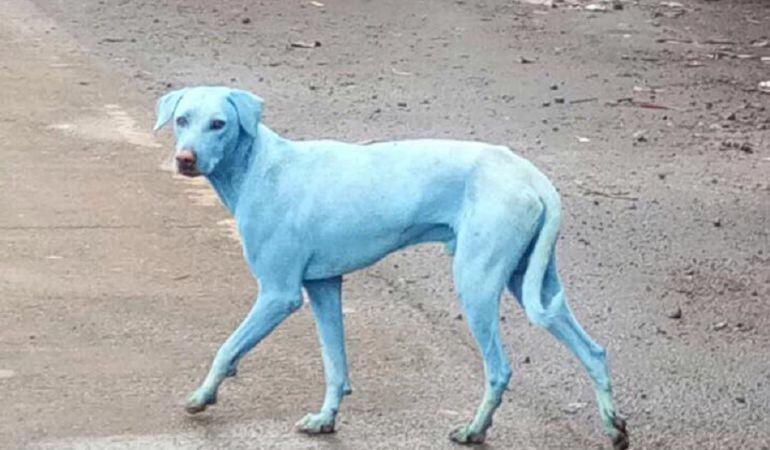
540,289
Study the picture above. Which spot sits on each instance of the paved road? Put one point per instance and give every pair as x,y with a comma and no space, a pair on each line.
118,281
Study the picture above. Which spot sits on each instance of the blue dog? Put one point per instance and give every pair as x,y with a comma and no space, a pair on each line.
309,212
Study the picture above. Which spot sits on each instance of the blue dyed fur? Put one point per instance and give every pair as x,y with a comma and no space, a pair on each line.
309,212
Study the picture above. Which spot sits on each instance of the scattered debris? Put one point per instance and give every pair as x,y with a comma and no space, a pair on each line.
693,64
672,4
760,43
112,40
651,90
54,257
720,326
741,400
595,7
746,148
639,136
524,60
527,360
740,326
401,104
583,100
743,146
246,20
719,41
400,72
573,408
615,195
303,44
548,3
318,4
717,223
764,86
559,100
582,139
375,112
676,313
181,277
673,41
675,9
647,105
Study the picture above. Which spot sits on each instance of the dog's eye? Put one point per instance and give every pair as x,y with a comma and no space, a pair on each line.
217,124
181,121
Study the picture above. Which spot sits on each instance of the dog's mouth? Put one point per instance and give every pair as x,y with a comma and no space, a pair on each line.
188,170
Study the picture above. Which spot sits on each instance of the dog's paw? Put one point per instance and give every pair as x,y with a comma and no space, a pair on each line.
198,402
347,388
620,440
467,436
315,424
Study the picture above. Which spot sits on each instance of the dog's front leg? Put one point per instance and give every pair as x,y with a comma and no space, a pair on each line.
271,308
325,299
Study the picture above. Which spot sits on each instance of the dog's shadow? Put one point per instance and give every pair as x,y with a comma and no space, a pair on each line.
220,430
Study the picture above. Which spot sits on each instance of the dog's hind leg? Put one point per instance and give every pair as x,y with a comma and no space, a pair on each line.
270,309
568,331
325,300
481,308
487,250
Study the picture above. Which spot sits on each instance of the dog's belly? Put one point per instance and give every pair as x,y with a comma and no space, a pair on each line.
341,255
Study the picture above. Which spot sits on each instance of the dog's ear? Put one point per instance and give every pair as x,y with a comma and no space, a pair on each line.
249,109
166,107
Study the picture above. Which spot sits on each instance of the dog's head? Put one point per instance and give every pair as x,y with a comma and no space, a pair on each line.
209,122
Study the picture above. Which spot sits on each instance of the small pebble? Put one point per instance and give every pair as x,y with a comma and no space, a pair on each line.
676,314
746,148
573,408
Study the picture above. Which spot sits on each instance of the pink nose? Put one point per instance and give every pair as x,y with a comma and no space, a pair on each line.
185,158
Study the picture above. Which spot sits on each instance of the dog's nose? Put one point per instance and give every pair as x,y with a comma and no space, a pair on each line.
185,157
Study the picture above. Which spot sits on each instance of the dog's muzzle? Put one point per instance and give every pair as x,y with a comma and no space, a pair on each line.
185,163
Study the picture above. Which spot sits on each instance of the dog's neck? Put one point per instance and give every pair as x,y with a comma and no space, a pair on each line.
231,172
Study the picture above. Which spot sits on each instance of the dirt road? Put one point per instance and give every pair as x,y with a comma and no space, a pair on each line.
118,281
